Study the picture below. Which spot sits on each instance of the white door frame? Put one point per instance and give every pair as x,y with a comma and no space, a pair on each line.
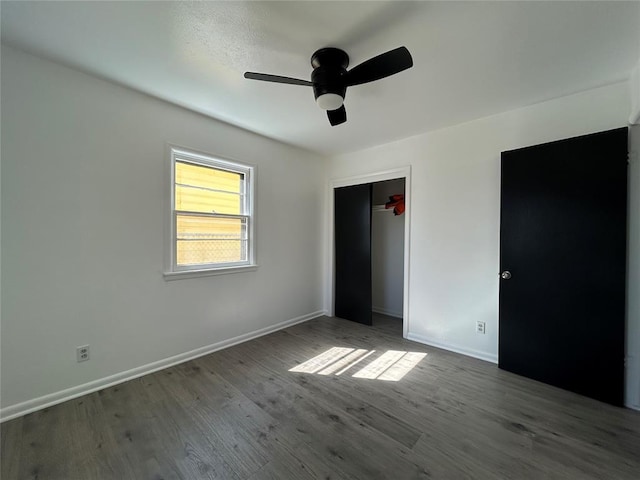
402,172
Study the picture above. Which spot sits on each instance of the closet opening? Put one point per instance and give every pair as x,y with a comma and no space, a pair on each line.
370,224
387,255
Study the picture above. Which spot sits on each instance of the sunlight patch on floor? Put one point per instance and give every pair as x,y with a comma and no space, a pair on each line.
402,366
344,362
323,360
390,366
379,365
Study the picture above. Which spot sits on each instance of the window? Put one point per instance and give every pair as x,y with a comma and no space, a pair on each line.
211,213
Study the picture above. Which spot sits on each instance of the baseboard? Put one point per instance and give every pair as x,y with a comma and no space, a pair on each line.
384,311
487,357
23,408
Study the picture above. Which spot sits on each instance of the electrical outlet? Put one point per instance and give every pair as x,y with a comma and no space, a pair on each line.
480,327
82,353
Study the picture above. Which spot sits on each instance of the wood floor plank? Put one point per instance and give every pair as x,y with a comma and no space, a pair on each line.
353,397
275,399
94,441
277,470
196,455
249,412
219,418
322,427
341,399
388,325
46,441
11,444
239,430
140,431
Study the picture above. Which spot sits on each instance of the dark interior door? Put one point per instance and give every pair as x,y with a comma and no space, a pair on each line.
563,241
353,253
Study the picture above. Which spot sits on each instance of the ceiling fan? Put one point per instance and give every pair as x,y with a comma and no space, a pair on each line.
330,77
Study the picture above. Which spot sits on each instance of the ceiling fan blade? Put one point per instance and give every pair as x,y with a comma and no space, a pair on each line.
336,117
382,66
265,77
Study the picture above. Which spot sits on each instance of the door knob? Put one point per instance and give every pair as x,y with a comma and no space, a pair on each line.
506,275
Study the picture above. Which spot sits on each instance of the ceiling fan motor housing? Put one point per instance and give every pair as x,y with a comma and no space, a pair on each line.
329,71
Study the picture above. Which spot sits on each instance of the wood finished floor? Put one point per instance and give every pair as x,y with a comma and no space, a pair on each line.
240,414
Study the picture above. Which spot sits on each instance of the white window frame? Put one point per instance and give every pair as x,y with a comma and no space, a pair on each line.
172,269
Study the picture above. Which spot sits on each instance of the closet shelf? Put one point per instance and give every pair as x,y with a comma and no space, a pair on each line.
381,208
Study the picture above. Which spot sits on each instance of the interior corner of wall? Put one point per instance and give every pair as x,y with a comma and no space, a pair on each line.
634,86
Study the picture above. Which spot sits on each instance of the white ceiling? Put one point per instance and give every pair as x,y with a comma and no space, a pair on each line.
471,59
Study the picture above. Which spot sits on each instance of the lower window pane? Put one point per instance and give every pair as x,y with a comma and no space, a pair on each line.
207,240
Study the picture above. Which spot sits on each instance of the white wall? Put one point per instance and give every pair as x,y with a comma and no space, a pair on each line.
83,210
387,251
634,88
455,210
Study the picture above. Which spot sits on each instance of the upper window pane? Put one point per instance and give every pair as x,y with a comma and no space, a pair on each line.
205,189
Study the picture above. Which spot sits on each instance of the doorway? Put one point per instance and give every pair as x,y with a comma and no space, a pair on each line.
563,263
381,270
387,256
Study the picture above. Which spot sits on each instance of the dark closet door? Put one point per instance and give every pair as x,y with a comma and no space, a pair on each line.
563,245
353,253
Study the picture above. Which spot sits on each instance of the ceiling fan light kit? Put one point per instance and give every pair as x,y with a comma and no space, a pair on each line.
329,101
330,77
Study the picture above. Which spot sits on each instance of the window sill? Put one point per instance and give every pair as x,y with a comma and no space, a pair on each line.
168,276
